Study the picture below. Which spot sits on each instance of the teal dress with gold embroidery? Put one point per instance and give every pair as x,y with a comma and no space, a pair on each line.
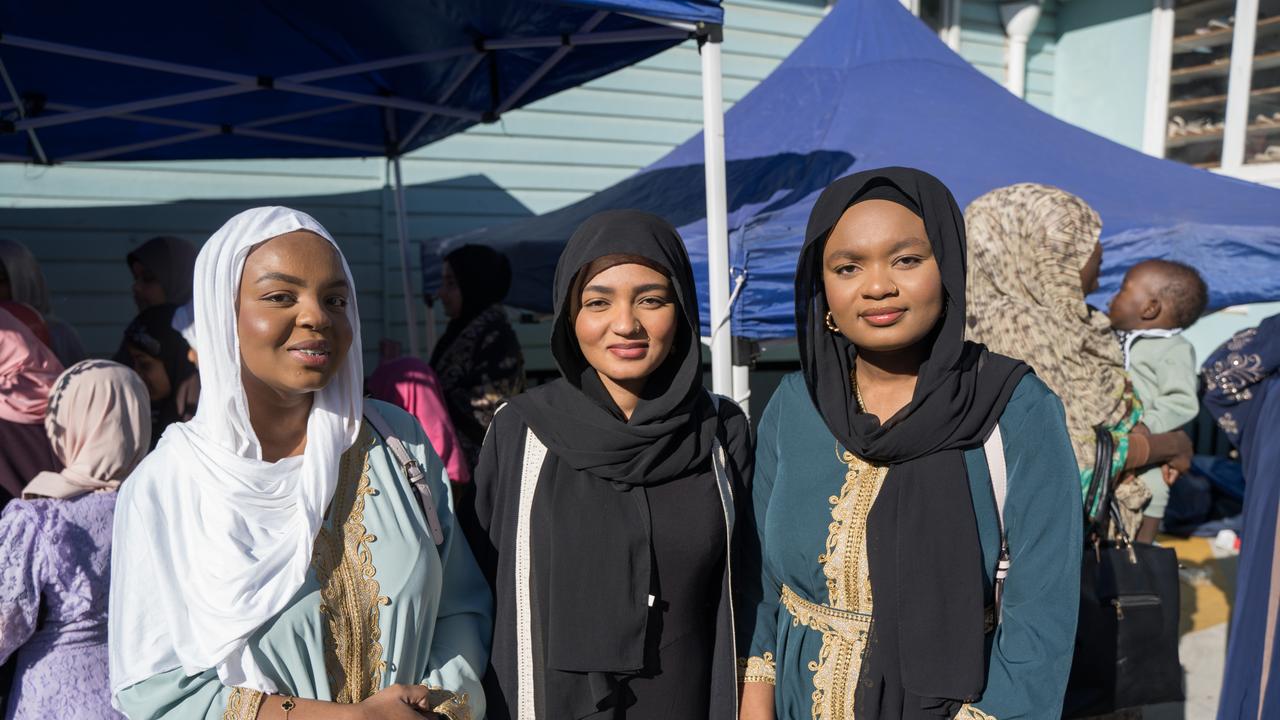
810,611
381,605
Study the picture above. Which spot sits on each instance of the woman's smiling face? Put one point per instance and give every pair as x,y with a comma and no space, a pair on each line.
292,314
627,323
881,279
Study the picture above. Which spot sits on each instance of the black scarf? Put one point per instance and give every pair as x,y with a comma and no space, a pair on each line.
484,277
600,576
926,654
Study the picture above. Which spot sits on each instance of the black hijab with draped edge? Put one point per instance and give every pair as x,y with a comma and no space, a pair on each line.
483,276
600,577
926,655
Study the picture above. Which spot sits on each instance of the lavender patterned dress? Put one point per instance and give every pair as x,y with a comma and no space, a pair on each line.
55,570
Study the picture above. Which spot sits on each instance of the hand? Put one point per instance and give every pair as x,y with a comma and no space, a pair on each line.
397,702
757,702
1183,452
1170,475
187,396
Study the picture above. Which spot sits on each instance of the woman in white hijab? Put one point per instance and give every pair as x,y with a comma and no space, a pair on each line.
271,557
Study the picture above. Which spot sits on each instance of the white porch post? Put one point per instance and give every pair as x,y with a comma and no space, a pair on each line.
1159,67
717,217
1239,79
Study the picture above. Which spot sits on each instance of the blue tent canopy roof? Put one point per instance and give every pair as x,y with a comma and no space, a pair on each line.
248,79
872,87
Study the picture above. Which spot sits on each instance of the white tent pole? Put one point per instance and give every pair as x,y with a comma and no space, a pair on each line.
402,229
717,217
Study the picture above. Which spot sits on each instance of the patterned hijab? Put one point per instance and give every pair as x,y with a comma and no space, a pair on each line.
1027,245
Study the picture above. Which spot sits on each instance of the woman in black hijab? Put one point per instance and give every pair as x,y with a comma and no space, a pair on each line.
873,495
607,498
161,356
478,358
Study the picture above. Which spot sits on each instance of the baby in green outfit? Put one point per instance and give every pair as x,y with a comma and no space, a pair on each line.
1159,298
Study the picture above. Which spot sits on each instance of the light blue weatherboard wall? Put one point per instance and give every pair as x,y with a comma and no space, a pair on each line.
82,219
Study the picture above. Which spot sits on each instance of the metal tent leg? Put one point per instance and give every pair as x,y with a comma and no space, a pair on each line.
717,217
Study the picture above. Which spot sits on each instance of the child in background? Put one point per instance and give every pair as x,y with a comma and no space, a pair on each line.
1156,302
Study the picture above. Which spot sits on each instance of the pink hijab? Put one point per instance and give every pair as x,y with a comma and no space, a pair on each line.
27,371
412,385
99,424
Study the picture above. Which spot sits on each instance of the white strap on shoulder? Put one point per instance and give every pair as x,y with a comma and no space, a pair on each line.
413,471
535,453
994,450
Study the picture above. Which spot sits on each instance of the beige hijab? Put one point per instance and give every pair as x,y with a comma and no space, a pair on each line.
99,423
1027,245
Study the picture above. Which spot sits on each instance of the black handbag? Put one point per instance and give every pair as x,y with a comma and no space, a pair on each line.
1126,649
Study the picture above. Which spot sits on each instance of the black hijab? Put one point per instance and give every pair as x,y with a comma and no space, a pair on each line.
926,656
600,579
484,278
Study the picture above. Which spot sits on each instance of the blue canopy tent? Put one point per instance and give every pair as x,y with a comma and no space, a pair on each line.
873,86
159,80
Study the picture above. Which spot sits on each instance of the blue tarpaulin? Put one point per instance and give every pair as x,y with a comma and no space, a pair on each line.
201,79
873,86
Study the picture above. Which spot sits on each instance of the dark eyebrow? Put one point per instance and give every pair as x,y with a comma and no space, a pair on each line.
602,289
652,287
897,247
282,277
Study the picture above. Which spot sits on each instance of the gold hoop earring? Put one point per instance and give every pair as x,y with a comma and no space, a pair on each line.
831,323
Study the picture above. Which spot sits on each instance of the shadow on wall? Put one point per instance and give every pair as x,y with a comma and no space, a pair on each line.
82,249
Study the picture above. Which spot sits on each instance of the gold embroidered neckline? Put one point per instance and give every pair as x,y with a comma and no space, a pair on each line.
349,595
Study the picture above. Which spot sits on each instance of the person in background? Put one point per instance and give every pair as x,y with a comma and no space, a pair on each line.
28,369
1158,300
161,356
162,270
1034,254
478,358
30,317
873,493
55,544
187,395
271,559
1242,392
22,280
411,385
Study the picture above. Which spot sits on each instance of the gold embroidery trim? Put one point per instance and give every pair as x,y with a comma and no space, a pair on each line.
969,712
845,621
757,668
243,704
448,704
349,598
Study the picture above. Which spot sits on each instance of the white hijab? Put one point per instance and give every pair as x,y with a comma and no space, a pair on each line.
210,541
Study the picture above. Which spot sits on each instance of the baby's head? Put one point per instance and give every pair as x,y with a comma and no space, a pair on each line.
1159,294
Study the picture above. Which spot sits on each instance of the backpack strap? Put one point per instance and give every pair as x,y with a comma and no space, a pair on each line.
993,447
412,470
535,453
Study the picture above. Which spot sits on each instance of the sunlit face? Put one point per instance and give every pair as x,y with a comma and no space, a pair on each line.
292,315
449,293
1091,271
147,290
628,322
1138,301
152,372
880,276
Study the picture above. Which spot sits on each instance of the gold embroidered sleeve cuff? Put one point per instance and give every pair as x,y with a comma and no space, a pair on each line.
448,704
969,712
243,704
756,669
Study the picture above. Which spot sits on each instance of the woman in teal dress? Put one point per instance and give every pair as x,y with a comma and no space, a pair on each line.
874,505
271,559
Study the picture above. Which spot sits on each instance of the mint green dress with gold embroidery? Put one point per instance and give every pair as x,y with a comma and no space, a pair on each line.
381,604
810,611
